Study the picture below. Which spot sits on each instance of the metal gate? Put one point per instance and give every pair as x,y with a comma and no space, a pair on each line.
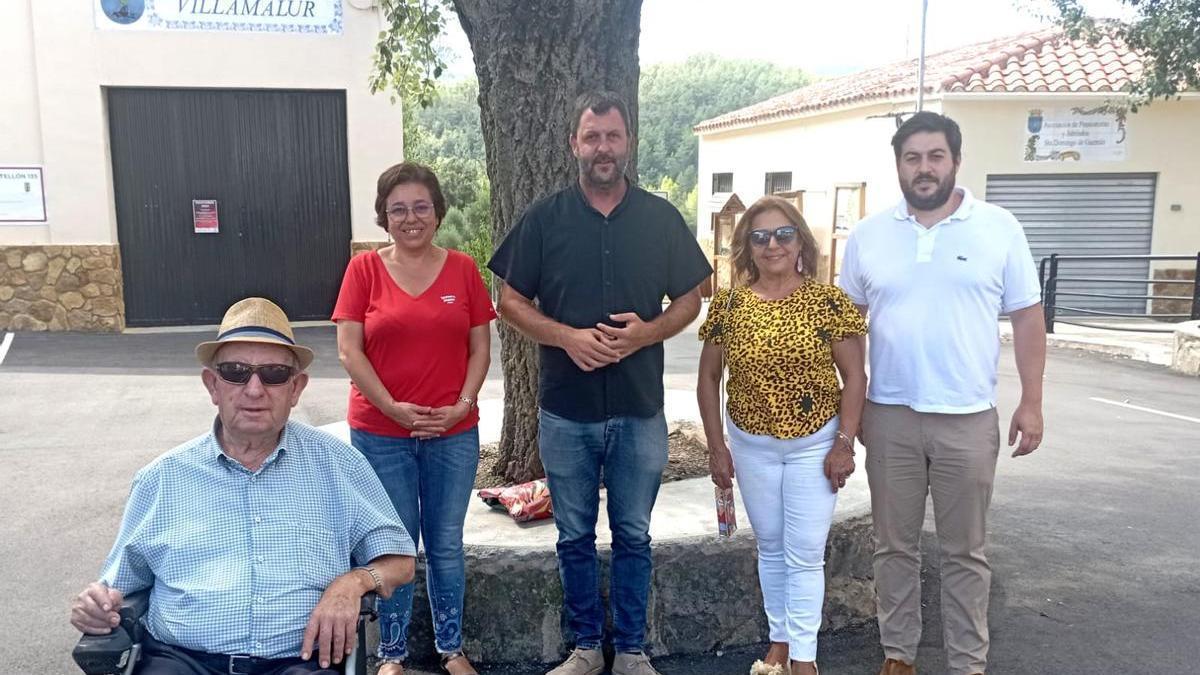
1086,215
275,164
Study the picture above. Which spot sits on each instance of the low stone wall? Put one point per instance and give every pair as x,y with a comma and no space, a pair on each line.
357,247
49,287
1186,357
704,597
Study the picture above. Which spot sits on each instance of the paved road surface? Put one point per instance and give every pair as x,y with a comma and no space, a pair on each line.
1095,537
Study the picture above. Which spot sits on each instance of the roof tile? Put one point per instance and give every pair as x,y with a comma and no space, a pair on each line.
1039,61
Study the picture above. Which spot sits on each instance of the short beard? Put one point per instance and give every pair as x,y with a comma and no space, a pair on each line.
595,181
933,201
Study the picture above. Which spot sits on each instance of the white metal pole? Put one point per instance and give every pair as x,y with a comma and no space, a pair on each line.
921,67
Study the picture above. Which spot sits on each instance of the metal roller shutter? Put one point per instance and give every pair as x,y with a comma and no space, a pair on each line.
1085,214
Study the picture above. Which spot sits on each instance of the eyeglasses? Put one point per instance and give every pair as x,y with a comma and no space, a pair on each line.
270,374
783,235
421,210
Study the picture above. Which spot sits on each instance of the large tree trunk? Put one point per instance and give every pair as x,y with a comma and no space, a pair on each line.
532,58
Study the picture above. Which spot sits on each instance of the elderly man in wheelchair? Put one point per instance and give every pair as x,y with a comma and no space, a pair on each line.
246,538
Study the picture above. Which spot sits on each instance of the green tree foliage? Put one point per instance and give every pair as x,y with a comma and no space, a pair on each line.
1165,32
407,61
674,97
446,136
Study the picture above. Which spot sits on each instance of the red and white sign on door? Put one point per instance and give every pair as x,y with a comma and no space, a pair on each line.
204,216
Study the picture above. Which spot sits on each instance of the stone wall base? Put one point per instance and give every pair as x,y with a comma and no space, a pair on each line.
1181,306
47,287
704,596
1186,356
357,247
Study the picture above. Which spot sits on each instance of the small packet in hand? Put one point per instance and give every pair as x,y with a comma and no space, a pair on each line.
726,512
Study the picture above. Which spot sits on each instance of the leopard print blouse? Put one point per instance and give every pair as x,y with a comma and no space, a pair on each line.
782,378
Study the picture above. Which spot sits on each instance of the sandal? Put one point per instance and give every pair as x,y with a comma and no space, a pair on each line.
454,656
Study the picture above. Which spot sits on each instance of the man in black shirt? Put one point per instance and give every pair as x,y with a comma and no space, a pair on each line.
599,257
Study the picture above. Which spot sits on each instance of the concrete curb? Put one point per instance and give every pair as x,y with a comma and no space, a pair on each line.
1134,352
1186,355
704,597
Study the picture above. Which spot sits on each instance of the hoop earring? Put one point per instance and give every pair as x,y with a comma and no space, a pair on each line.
800,264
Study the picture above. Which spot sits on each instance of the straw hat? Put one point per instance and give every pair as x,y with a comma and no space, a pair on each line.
255,320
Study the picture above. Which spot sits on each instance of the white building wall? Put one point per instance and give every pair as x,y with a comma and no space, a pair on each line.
849,146
1163,138
822,152
57,65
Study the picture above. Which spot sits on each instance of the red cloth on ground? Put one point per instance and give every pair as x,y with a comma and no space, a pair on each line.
418,345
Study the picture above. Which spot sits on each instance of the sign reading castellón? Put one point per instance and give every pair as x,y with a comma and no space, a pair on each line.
288,16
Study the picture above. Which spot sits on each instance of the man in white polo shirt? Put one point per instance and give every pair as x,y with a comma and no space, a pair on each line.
934,273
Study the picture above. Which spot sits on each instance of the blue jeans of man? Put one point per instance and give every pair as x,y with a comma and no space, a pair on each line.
429,481
631,453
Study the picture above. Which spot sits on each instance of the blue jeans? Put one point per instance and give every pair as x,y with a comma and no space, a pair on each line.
632,453
430,482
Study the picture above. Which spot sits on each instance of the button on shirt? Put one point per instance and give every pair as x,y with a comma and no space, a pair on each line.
237,560
934,296
581,266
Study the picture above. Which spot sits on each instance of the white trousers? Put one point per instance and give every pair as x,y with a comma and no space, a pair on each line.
790,505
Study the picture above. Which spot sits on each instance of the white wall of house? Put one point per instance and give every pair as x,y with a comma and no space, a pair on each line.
1163,138
848,146
57,64
822,151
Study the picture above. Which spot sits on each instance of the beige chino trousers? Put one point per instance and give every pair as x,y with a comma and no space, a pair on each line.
953,458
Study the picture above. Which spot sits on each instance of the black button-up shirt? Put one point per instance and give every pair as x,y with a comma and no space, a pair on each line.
581,267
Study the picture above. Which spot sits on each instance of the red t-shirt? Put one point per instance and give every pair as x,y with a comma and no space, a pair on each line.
418,345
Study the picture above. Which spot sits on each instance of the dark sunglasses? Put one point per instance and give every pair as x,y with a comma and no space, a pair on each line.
270,374
783,235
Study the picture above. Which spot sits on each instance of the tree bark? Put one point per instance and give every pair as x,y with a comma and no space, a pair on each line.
533,58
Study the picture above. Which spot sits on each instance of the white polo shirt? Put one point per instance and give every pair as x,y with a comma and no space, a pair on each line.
934,297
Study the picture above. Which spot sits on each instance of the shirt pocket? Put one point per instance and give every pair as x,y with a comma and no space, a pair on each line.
318,557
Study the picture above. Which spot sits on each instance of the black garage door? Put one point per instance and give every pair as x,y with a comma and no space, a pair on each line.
274,162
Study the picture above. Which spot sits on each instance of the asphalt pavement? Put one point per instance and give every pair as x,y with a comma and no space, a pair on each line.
1094,538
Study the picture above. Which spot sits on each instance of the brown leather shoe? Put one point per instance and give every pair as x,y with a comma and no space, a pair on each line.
897,667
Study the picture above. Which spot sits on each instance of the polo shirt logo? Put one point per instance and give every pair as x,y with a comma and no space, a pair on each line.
962,258
449,299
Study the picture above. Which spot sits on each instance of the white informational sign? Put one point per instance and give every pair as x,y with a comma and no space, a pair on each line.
22,195
280,16
1079,134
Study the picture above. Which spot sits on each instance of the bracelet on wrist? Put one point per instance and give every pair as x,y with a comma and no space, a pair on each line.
847,442
378,580
468,400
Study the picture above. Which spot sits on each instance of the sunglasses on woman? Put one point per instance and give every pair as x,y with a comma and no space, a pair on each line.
270,374
783,235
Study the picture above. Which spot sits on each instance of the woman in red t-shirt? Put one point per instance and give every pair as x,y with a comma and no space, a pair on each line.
412,331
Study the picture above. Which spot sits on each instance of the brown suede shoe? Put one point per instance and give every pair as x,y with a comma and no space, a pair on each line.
897,667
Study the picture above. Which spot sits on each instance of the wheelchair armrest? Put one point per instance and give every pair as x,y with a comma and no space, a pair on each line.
366,608
118,651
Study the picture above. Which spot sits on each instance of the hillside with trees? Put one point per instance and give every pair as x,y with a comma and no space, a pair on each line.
673,97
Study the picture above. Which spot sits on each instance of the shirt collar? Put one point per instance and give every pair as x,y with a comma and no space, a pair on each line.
621,206
961,213
218,455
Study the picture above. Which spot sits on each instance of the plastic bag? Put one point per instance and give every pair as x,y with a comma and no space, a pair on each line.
524,502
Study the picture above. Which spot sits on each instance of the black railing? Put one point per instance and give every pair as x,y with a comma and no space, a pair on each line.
1049,277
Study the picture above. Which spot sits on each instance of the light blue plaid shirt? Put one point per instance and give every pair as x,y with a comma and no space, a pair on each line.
237,559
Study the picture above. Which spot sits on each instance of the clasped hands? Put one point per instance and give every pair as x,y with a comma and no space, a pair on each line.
426,421
594,348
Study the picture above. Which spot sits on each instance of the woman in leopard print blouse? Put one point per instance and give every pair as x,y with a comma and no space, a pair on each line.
786,337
